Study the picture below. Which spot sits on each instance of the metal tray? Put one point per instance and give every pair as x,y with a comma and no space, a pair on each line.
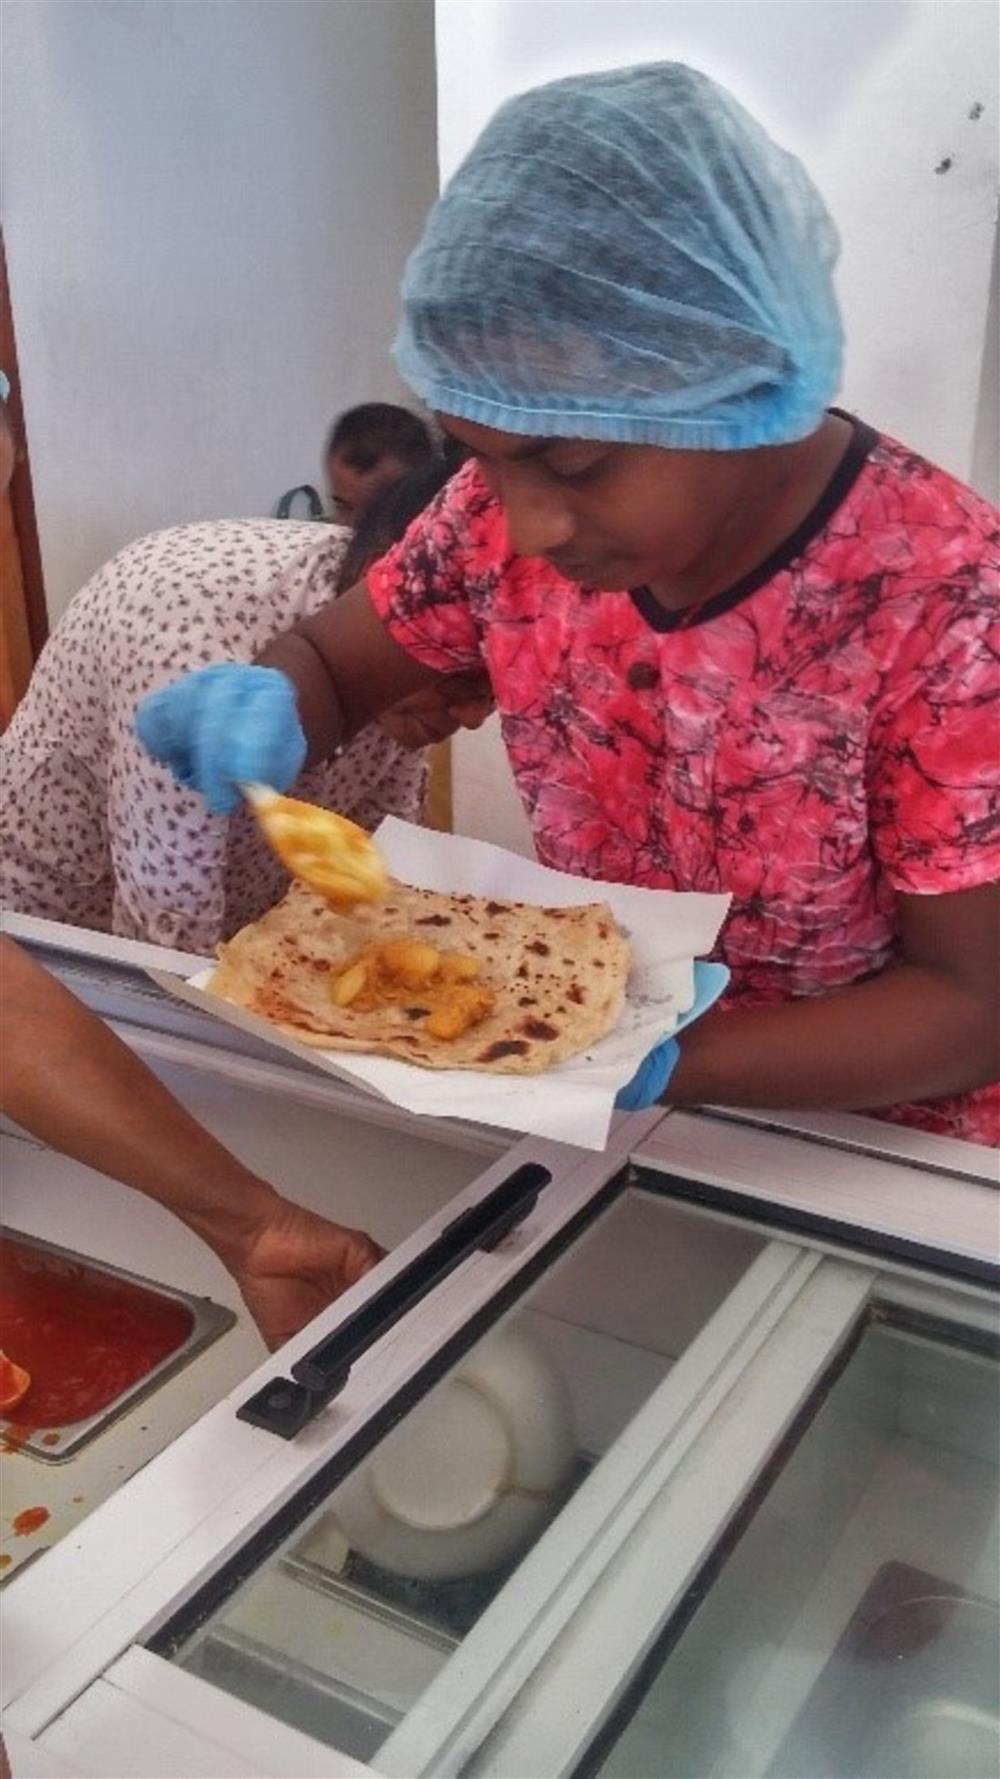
208,1321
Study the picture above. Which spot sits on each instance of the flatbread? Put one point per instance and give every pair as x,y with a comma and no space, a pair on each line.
558,975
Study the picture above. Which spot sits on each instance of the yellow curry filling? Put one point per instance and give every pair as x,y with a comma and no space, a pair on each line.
331,855
391,972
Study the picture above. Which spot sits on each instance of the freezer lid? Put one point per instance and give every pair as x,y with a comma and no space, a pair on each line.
838,1180
110,975
173,1523
856,1133
621,1594
57,937
260,1486
350,1604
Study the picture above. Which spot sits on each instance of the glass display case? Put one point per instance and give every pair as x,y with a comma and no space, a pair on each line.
367,1599
683,1497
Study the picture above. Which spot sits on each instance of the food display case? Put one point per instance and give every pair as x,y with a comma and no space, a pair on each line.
675,1459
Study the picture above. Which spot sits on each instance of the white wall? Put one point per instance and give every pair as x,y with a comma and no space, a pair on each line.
874,95
206,209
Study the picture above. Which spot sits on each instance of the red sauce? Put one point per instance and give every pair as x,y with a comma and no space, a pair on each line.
29,1520
84,1338
50,1439
15,1437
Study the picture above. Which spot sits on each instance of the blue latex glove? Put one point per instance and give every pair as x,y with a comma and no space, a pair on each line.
224,726
649,1083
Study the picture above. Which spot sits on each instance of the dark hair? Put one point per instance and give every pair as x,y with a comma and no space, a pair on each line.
454,452
364,435
383,523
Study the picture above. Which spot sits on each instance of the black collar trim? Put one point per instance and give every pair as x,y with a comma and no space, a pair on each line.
836,491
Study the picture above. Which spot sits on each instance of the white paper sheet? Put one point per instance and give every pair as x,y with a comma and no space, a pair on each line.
573,1101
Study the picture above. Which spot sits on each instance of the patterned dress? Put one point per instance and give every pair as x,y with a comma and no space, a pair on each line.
95,832
817,739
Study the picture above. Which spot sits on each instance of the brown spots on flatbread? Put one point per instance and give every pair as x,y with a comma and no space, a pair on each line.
503,1047
531,970
497,907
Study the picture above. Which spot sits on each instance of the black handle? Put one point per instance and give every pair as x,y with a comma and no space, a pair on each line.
284,1406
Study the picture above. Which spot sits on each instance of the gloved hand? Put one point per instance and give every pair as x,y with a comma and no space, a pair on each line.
651,1078
223,726
649,1083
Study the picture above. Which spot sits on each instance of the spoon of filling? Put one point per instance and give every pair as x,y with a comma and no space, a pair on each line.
332,856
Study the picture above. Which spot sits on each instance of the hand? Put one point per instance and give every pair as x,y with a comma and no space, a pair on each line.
649,1083
294,1265
223,726
652,1077
458,701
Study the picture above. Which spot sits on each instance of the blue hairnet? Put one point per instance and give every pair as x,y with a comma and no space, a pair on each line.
627,256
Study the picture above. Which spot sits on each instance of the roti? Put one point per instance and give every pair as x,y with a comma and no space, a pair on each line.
557,977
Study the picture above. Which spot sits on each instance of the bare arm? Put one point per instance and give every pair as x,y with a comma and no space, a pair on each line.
927,1027
70,1081
346,670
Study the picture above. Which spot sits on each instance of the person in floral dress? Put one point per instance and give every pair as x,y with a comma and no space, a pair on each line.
92,831
739,639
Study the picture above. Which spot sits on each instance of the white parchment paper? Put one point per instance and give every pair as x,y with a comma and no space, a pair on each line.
573,1101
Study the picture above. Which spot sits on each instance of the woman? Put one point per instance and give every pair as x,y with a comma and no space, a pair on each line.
367,449
737,639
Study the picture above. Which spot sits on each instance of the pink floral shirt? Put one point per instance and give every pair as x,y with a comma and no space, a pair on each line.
817,739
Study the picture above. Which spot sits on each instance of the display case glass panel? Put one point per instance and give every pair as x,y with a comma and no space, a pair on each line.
357,1604
851,1631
